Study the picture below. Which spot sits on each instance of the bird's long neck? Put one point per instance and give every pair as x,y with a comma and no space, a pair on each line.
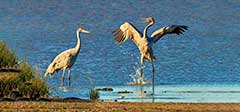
146,28
78,46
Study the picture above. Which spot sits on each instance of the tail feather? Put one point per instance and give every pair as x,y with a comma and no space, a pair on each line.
50,70
51,75
46,74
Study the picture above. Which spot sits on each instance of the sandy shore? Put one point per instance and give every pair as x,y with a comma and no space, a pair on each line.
117,106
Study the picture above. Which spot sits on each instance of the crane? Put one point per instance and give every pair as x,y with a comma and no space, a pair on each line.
66,59
144,43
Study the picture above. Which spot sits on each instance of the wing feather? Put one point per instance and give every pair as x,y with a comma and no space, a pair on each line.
62,59
126,31
174,29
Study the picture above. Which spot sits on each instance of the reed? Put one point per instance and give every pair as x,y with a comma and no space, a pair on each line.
93,93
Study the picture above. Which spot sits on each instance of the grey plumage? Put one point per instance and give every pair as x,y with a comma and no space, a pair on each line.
66,59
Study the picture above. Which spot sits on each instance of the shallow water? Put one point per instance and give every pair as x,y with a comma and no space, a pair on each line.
207,54
174,93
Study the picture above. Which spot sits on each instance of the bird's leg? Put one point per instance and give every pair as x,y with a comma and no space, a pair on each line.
63,76
69,73
141,70
153,80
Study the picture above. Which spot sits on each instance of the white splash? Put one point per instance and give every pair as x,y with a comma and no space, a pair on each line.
138,76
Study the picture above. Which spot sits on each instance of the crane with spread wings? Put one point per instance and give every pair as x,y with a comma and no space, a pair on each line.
143,41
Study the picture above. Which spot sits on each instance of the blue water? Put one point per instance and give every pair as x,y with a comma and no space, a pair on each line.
207,54
174,93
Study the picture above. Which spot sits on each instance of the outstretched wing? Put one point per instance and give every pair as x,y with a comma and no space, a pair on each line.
174,29
125,32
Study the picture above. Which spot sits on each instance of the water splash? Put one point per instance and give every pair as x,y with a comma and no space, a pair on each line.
138,76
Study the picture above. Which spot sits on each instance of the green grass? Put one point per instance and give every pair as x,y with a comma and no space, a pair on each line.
25,83
7,56
7,85
31,85
93,93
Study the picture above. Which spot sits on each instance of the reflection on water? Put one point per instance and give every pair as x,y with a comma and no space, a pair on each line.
68,91
138,80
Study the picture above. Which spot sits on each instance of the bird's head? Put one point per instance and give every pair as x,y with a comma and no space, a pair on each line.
149,19
81,30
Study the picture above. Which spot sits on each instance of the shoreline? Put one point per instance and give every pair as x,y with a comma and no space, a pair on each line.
117,106
69,99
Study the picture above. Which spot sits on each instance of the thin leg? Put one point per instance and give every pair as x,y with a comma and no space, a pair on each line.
142,60
141,75
153,80
63,77
142,93
141,70
69,78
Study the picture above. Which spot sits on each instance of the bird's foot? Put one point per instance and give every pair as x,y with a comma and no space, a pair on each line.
62,86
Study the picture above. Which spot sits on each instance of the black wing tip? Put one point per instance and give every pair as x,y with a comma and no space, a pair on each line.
184,27
116,31
180,29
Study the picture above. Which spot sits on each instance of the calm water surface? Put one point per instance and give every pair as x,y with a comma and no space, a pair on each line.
206,55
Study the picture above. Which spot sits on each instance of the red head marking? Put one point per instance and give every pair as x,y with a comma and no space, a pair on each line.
151,20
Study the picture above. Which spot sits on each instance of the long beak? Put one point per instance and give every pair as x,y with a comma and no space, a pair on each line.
85,31
142,19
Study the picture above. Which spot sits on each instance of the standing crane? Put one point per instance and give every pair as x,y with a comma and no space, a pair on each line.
66,59
142,41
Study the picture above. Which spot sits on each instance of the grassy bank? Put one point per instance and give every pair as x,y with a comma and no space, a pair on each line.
7,56
23,82
119,107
